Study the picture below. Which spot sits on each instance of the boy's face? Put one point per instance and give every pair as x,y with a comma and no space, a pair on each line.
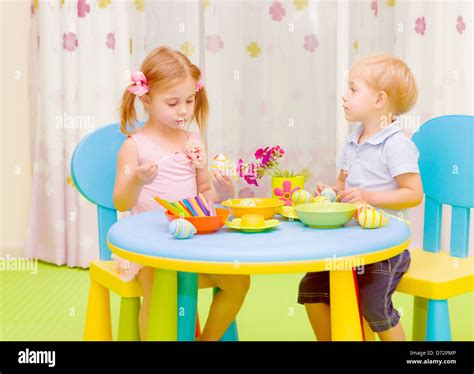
359,101
174,107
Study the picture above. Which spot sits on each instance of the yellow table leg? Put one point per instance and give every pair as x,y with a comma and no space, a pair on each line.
163,314
98,324
368,333
345,320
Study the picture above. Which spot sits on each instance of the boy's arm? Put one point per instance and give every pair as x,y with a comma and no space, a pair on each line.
408,195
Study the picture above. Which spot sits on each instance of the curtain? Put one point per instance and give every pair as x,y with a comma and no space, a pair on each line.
275,72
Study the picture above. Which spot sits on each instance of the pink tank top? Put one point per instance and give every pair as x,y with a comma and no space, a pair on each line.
176,178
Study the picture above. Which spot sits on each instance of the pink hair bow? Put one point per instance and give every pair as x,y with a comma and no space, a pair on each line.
139,85
199,85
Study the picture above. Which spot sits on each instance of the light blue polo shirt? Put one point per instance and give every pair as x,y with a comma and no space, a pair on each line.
374,164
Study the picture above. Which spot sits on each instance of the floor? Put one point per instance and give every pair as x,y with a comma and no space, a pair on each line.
51,304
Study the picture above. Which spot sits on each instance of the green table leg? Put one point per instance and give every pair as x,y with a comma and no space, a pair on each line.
163,319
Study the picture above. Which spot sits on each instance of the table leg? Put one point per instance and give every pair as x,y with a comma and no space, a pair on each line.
187,305
162,317
345,318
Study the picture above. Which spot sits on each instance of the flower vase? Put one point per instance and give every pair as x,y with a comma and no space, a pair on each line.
283,188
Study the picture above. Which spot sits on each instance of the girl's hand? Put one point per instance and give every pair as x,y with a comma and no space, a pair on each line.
145,174
352,195
223,186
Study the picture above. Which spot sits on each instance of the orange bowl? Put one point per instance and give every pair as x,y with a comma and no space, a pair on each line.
205,225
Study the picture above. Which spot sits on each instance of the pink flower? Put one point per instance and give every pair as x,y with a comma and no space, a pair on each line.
277,11
420,25
374,6
460,26
311,42
70,41
110,40
286,193
214,43
196,154
82,8
250,179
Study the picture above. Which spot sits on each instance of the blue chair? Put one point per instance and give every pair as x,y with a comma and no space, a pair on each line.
93,171
446,146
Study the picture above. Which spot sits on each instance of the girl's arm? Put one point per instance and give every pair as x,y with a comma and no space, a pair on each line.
408,195
130,176
221,188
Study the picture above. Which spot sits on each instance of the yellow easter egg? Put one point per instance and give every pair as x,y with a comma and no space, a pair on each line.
301,197
322,200
329,193
371,218
360,208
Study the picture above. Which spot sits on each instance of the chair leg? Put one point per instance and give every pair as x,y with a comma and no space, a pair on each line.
98,325
128,323
438,326
232,333
420,309
187,305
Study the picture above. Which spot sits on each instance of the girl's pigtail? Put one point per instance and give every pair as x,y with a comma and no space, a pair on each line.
128,115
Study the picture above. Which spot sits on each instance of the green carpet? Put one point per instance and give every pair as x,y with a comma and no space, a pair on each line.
51,304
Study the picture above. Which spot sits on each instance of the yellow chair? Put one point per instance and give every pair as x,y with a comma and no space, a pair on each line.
104,278
446,146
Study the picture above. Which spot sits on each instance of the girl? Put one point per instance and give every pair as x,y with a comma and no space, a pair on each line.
172,94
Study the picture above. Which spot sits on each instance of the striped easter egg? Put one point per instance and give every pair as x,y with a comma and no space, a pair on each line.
360,208
182,229
329,193
322,200
301,197
371,218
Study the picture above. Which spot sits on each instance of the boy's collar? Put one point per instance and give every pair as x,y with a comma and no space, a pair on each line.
378,138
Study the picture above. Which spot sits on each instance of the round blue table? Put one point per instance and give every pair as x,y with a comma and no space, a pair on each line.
291,248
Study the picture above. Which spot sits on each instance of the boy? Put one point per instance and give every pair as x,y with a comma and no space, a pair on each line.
378,166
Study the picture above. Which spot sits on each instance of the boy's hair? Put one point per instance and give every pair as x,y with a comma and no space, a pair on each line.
385,72
164,67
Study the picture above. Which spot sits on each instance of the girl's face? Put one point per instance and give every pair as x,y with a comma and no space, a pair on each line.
174,107
359,101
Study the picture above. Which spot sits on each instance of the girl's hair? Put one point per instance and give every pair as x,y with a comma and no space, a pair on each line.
163,68
388,73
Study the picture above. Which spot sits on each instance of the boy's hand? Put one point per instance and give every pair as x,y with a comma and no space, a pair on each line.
145,174
352,195
319,188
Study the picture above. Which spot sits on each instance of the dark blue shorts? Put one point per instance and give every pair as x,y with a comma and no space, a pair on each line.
377,282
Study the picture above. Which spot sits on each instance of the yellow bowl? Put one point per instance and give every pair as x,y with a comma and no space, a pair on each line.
267,207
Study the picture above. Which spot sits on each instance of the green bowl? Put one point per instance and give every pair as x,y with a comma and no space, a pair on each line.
325,216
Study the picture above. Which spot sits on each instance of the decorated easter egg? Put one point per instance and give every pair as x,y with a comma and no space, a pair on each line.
248,202
219,163
371,219
329,193
301,197
360,208
182,229
322,200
